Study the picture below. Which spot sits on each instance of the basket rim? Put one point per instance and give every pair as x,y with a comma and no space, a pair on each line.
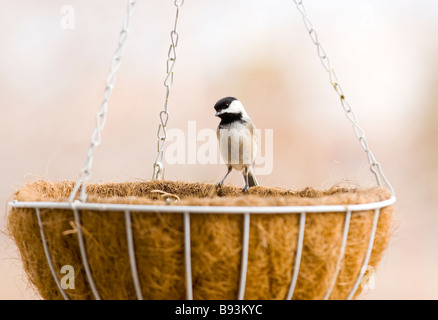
202,209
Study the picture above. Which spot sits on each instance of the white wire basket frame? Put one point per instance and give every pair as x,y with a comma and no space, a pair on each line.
186,211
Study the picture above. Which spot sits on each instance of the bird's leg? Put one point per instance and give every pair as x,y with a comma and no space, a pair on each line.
223,180
246,187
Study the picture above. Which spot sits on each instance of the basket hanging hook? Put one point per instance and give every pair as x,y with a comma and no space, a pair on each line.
158,171
374,166
85,173
158,167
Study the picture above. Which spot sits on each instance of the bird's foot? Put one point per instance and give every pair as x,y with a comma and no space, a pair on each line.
245,189
219,184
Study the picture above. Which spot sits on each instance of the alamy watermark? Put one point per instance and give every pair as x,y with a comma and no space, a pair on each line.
201,147
68,20
68,281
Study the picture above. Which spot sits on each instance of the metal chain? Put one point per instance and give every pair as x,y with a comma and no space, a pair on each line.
84,174
158,172
375,166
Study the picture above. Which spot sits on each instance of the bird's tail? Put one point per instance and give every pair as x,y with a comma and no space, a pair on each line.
252,180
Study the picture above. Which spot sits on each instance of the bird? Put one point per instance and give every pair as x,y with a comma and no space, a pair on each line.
237,140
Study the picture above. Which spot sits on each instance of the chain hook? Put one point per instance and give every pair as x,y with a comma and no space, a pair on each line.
158,166
110,81
158,171
374,166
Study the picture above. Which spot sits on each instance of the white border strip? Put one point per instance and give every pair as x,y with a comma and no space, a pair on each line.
131,251
244,263
84,255
367,256
341,254
48,256
188,256
202,209
297,257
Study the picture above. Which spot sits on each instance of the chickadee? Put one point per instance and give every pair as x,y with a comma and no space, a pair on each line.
237,139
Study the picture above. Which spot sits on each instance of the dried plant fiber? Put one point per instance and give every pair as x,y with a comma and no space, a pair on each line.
216,241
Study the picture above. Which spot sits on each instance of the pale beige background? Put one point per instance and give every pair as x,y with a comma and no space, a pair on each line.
384,52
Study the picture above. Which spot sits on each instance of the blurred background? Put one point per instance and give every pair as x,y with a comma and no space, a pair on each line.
384,53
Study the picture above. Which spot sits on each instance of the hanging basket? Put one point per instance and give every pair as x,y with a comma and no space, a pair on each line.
183,240
176,240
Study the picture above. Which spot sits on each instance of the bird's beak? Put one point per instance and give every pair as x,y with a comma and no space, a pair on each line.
218,113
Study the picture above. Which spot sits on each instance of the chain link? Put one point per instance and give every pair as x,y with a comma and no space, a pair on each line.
84,174
158,167
375,166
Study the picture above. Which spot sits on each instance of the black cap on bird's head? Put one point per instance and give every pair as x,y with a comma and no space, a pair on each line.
230,109
223,104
